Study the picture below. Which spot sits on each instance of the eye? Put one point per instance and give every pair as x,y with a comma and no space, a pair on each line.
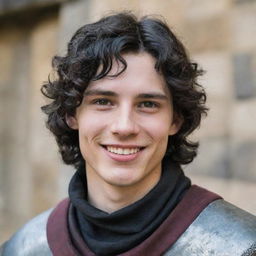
148,104
102,102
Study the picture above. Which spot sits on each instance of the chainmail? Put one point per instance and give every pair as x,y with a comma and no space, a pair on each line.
251,251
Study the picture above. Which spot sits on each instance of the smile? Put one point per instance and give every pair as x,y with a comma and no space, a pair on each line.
123,151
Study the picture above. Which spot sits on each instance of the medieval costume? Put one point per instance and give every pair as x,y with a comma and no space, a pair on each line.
174,218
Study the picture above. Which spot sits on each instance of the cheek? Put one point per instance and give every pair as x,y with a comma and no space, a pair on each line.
89,126
91,129
158,129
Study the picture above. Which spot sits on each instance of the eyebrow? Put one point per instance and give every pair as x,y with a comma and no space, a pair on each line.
99,92
153,95
149,95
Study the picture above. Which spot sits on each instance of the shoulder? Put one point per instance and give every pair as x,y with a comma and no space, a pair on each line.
221,229
30,240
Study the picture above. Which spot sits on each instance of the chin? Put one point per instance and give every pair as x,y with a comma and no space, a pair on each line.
122,180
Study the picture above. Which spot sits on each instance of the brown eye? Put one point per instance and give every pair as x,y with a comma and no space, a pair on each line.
102,102
148,104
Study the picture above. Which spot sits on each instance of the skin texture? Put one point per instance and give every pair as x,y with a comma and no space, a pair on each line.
131,110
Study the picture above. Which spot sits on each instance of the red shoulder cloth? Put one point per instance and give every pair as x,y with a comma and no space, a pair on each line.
191,205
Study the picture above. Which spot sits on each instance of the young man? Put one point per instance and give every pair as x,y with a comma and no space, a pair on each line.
125,100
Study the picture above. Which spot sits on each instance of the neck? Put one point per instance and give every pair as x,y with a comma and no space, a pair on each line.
110,198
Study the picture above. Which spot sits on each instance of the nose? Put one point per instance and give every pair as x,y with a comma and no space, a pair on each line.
124,123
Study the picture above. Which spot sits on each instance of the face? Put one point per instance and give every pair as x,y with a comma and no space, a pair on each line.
124,123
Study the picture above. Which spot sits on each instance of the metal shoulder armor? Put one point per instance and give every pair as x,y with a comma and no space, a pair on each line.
30,240
221,229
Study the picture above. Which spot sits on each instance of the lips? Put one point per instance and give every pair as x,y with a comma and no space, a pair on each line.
122,153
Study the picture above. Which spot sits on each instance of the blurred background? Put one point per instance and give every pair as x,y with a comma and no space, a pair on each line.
220,35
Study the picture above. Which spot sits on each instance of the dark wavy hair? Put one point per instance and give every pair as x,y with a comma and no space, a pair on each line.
101,43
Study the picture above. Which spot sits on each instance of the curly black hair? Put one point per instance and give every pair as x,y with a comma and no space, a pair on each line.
101,43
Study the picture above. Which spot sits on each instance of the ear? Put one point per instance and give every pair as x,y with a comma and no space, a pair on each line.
176,124
72,122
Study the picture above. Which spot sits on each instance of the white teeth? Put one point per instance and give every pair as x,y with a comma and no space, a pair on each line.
123,151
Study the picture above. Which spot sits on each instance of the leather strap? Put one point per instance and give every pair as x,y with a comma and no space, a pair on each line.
57,231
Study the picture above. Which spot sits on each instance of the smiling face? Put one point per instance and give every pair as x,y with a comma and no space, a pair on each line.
124,123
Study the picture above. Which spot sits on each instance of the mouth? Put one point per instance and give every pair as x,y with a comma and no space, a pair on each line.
123,150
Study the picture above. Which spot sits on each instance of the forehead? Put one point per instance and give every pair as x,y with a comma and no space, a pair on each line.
140,76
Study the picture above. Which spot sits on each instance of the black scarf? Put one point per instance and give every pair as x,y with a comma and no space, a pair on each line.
115,233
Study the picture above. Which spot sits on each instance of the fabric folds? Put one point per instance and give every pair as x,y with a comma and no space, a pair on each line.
112,234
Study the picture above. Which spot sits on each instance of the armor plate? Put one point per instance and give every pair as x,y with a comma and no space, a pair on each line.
221,229
30,240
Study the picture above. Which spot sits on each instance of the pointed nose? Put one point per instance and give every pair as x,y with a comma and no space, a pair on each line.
125,124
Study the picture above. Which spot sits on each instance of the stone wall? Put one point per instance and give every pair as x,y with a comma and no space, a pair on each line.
228,134
220,35
29,161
